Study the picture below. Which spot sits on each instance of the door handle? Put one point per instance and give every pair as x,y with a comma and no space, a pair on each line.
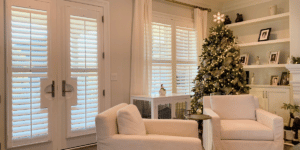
64,88
52,89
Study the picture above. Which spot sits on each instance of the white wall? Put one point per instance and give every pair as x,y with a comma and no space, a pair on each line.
120,48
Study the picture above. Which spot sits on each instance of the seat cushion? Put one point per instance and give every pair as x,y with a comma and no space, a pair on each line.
130,121
245,130
231,107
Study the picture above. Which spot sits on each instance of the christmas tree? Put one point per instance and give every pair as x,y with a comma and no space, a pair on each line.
220,70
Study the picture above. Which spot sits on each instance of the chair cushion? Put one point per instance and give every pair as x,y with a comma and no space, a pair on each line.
130,121
234,107
245,130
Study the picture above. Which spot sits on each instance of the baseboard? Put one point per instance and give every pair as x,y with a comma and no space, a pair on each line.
82,147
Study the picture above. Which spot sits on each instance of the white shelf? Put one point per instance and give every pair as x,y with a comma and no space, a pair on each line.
264,66
268,18
265,42
269,86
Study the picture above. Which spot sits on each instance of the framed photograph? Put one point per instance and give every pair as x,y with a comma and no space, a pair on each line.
284,80
244,59
274,57
264,34
274,80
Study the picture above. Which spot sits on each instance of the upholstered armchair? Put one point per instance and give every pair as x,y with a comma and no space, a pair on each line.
239,124
160,134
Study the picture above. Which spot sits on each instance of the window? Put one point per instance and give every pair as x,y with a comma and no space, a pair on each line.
174,54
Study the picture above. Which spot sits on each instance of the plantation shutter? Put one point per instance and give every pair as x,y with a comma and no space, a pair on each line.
186,59
84,60
161,57
28,48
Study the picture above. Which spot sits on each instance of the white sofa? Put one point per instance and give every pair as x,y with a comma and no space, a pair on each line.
238,124
161,134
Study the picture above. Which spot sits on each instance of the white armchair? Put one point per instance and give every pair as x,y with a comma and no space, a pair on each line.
238,124
161,134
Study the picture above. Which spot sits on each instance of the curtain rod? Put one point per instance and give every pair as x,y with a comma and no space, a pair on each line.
190,5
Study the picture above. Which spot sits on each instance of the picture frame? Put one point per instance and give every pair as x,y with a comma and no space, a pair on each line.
264,34
274,57
244,58
274,80
284,80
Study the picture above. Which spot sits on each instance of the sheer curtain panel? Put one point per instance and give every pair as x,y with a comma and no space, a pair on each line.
141,48
200,22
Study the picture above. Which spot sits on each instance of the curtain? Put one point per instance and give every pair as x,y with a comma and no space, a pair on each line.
141,52
200,23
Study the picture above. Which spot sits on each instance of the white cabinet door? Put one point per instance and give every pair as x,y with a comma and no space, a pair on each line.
260,93
276,98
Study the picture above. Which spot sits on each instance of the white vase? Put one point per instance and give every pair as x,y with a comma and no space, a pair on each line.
162,92
273,10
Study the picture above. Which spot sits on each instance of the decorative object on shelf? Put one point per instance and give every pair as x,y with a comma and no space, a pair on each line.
289,60
227,20
220,69
239,18
274,57
274,80
284,80
252,79
295,128
273,10
162,91
292,108
244,59
296,60
264,34
219,18
257,60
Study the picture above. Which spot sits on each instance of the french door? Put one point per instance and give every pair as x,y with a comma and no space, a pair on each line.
55,73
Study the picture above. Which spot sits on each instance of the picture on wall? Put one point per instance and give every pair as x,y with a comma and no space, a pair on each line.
274,80
264,34
284,78
274,57
244,59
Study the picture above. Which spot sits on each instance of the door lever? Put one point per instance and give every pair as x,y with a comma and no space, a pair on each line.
64,88
52,89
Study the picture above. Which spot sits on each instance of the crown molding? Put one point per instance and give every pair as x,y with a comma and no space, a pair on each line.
238,4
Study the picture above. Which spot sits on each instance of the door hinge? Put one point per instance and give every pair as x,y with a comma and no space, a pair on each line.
103,55
103,19
103,92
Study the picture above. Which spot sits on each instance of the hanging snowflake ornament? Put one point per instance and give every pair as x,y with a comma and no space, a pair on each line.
219,18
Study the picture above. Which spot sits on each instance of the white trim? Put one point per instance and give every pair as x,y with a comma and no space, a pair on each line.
239,4
2,78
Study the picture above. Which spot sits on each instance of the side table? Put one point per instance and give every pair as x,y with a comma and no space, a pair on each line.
199,118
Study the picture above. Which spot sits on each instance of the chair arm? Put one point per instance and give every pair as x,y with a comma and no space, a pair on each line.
272,121
185,128
148,142
212,131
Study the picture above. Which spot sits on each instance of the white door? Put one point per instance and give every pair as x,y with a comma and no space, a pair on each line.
276,98
82,72
55,73
260,93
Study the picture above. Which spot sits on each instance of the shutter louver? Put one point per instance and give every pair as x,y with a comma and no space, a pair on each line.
29,39
186,59
84,66
161,57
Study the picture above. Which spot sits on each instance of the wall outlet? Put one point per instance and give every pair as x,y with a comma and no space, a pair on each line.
114,77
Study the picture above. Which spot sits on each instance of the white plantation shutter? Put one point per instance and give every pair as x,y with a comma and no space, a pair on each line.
29,62
186,59
161,57
84,66
174,54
